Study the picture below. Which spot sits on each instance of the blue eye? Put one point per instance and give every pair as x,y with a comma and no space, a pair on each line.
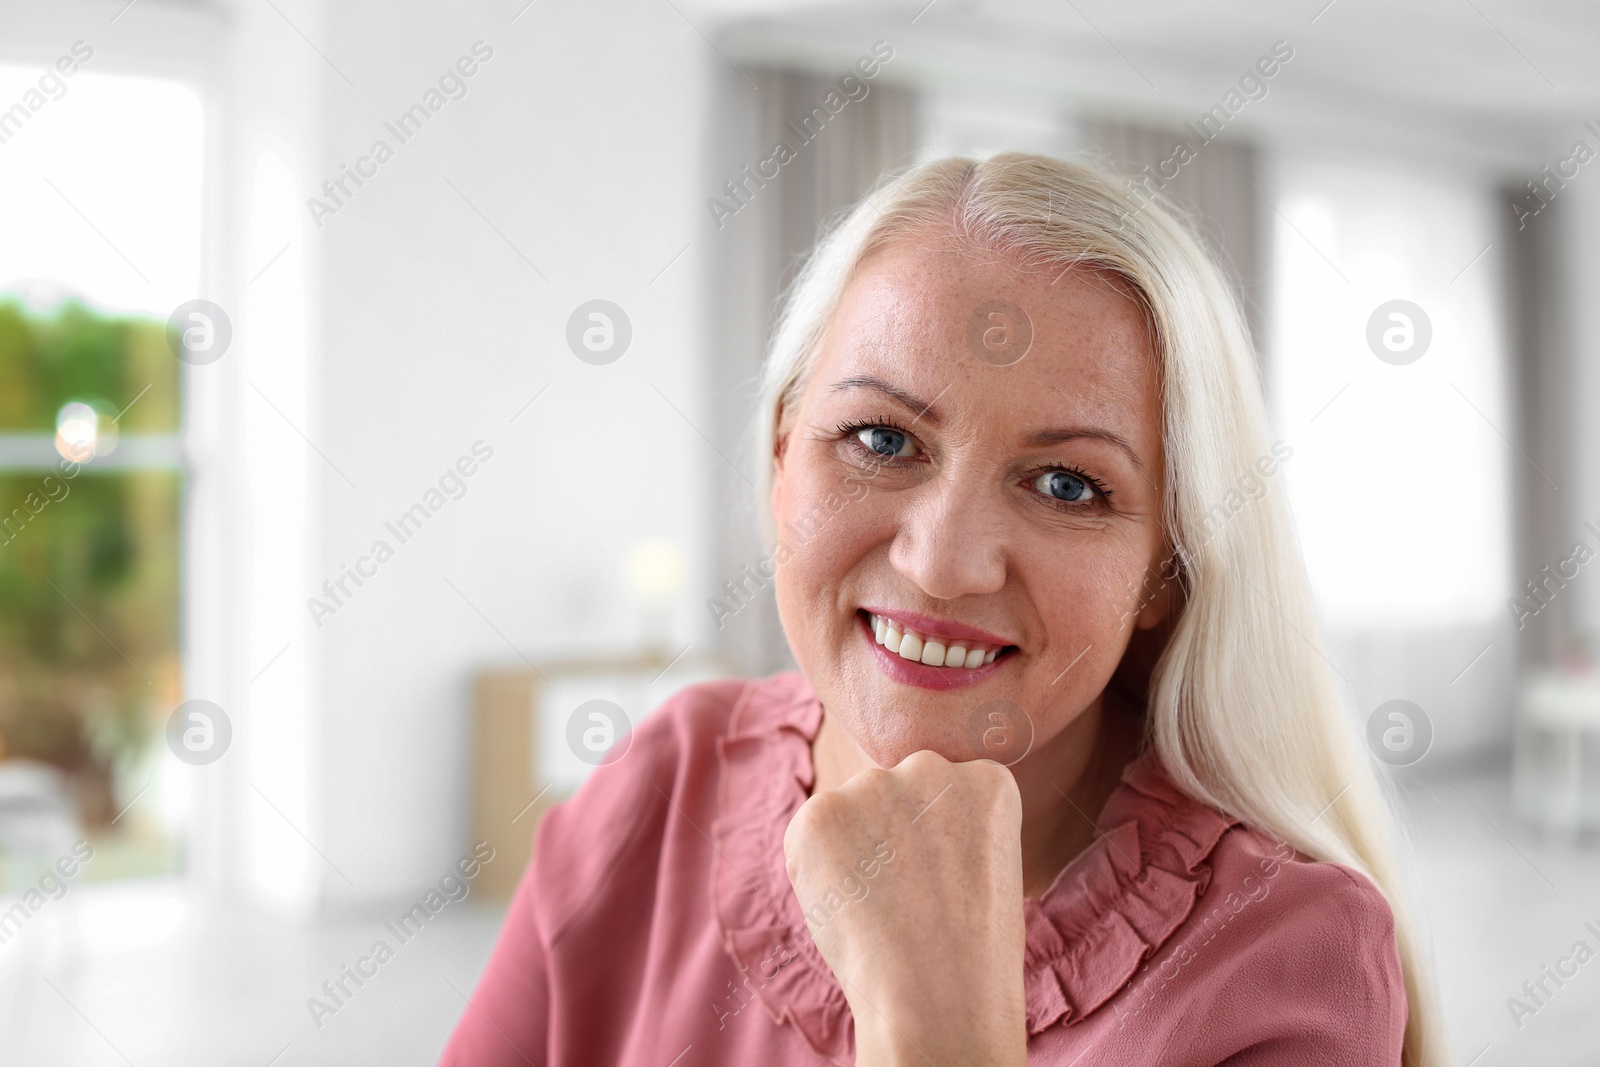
887,442
1064,485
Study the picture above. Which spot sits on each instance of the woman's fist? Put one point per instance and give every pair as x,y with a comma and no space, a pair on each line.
911,882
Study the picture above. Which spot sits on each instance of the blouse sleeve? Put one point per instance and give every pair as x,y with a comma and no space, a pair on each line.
505,1022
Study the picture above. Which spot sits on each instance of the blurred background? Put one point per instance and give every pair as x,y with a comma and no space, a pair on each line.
375,384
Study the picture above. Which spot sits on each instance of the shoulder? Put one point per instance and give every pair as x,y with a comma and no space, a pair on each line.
1252,883
1326,908
686,722
1305,955
611,828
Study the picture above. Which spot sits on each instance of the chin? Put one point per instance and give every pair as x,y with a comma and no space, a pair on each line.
889,724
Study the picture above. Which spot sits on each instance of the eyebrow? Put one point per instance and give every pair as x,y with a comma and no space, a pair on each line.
1041,439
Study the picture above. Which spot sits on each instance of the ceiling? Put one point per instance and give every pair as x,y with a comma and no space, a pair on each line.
1508,81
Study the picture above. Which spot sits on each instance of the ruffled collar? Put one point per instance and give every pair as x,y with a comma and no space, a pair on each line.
1108,910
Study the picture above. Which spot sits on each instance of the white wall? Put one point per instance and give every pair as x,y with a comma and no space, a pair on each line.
581,146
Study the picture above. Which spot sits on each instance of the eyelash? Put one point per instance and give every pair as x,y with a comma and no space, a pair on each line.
849,430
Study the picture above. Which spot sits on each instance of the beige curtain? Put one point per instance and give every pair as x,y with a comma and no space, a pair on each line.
1541,375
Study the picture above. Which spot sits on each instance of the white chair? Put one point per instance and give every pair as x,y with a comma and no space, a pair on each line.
38,820
1555,780
38,825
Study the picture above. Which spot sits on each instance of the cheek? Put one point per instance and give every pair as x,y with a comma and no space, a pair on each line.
1089,597
1124,582
828,523
828,516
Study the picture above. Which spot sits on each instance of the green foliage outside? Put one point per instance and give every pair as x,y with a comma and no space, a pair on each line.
89,577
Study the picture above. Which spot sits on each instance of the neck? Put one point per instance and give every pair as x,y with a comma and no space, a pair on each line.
1063,783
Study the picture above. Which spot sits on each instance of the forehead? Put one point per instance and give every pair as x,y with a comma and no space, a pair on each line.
993,341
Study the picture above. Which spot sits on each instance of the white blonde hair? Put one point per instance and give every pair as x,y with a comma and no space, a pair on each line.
1242,708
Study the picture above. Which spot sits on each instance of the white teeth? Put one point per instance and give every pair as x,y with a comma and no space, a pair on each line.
908,644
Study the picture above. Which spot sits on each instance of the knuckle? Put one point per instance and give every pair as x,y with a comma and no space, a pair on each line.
992,772
1007,796
860,788
923,759
872,776
996,782
819,814
983,768
799,827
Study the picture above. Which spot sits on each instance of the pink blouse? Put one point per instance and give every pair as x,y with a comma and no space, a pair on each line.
656,927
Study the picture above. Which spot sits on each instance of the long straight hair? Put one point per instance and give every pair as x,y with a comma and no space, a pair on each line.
1241,705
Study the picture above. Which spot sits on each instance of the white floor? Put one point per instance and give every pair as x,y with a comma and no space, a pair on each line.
139,975
173,983
1501,903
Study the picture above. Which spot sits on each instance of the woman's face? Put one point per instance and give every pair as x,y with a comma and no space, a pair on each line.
937,492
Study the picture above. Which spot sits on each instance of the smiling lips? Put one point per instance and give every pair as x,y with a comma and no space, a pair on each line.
932,650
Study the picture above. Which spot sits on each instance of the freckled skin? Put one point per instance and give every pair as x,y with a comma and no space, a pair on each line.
962,531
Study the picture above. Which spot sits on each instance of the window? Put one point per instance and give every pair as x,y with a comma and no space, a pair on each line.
102,187
1399,469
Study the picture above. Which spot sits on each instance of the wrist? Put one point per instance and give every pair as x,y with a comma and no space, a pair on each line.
915,1037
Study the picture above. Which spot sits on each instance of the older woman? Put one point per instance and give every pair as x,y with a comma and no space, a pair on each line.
1062,777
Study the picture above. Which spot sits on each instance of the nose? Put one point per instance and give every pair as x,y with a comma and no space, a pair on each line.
951,540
